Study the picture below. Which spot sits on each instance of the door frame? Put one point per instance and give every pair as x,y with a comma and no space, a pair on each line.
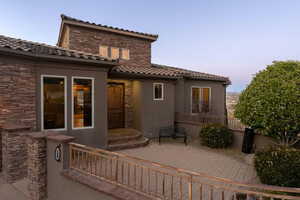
123,106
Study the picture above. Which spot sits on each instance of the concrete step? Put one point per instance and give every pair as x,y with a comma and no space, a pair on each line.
140,142
119,136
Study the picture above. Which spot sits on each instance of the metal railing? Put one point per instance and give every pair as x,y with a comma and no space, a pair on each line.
159,181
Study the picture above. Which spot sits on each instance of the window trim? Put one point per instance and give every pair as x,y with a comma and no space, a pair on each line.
93,102
162,92
199,87
42,102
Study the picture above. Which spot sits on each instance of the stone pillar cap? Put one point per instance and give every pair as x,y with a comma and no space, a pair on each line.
9,127
61,138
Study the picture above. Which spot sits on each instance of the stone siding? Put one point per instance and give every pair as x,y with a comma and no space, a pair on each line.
128,101
14,153
88,40
18,92
0,149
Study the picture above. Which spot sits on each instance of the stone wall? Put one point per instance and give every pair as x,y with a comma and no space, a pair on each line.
128,101
37,166
88,40
18,92
0,149
14,152
260,141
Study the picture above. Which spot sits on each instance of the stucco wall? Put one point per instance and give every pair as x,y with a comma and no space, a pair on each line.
218,91
155,114
96,136
20,99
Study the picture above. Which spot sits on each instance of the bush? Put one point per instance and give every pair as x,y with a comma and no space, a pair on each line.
278,166
216,136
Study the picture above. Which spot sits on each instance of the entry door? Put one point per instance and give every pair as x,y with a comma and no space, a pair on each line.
115,92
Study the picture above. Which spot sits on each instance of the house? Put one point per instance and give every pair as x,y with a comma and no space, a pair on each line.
100,78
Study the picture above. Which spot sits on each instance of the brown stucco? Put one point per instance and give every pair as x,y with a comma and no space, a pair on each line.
88,40
183,97
21,95
150,115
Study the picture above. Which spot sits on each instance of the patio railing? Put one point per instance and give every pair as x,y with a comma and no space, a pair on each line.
159,181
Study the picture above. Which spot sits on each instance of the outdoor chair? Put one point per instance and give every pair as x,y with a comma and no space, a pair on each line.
171,132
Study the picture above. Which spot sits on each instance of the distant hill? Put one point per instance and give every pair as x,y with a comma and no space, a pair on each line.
231,100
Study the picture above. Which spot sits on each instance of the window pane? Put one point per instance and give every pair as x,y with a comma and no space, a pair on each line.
82,99
115,53
205,99
54,103
125,54
158,91
103,51
195,100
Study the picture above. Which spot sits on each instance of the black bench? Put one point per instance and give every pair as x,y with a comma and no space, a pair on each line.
171,132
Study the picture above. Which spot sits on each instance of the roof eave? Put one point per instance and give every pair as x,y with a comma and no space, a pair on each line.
7,51
61,29
225,82
82,24
141,75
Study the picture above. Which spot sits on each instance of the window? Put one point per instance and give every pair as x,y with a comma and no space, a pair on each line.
83,102
200,100
53,102
103,51
158,91
115,52
125,54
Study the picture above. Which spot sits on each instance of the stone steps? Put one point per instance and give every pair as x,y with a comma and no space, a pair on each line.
123,139
134,143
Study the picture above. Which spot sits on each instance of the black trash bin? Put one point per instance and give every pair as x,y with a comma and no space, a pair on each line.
248,140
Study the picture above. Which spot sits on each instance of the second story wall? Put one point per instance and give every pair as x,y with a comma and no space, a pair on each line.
89,40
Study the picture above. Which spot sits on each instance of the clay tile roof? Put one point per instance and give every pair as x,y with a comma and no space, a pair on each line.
146,71
164,71
40,49
153,36
194,74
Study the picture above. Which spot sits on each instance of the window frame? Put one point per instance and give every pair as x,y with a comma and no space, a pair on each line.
65,102
162,92
199,87
123,54
93,102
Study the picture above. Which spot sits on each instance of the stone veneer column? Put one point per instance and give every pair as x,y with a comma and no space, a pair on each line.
0,149
14,152
37,166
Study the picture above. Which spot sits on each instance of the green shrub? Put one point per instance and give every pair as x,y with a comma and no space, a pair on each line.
278,166
216,136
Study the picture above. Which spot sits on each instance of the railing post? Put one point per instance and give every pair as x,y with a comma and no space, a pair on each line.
191,188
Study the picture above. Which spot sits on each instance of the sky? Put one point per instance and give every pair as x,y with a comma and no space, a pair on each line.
234,38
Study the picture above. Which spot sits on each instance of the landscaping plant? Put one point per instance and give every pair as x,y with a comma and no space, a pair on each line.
278,166
271,103
216,136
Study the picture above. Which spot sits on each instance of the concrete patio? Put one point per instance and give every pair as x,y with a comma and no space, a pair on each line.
225,163
15,191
